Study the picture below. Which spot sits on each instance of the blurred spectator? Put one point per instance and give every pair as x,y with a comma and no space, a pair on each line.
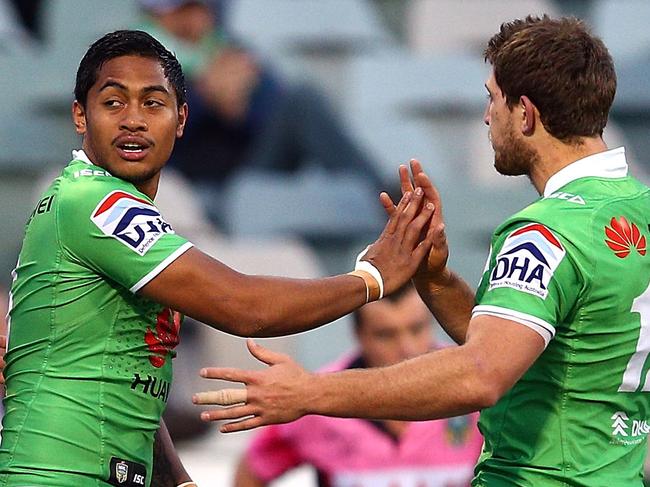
30,14
370,453
242,115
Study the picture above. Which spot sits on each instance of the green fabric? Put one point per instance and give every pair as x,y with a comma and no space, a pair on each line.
565,421
80,338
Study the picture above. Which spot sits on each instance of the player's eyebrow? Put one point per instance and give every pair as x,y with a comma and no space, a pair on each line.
147,89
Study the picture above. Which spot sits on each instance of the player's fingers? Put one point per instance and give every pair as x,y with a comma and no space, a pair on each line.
430,191
3,341
425,245
415,228
439,238
221,397
407,215
387,203
227,373
263,354
234,412
246,424
391,226
404,179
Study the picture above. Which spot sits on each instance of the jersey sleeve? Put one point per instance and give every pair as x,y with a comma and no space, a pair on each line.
116,231
531,278
271,454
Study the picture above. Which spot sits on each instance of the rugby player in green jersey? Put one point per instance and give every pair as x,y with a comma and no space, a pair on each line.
554,343
102,281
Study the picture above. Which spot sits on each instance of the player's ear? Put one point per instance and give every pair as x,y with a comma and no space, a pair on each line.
528,115
79,117
182,118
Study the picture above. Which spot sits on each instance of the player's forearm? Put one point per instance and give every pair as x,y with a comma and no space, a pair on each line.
273,306
450,300
168,470
440,384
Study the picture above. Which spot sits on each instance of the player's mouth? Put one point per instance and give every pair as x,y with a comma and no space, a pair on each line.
132,148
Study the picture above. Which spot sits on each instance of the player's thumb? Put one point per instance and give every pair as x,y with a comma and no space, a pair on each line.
269,357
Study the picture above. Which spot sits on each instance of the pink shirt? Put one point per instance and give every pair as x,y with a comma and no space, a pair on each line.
359,453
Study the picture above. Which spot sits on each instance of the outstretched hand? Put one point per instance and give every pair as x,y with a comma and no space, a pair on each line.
271,396
439,250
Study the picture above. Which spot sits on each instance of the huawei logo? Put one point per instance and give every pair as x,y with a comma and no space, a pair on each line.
622,236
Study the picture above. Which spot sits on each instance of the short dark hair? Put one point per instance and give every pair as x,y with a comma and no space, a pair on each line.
566,72
393,298
127,43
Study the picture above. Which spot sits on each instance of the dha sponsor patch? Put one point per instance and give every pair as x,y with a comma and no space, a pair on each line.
528,260
124,473
133,221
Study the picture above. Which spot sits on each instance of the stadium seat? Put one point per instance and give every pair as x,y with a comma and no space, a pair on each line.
457,26
623,26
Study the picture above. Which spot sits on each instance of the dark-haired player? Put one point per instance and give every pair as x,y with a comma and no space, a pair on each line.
102,280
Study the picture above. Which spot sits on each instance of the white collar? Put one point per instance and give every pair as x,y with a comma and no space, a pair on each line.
80,155
608,164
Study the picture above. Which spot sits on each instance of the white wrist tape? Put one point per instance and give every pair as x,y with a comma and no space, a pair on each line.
364,265
187,484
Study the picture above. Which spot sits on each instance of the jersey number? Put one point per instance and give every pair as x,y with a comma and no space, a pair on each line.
634,370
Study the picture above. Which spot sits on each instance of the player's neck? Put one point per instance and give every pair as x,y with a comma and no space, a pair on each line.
557,155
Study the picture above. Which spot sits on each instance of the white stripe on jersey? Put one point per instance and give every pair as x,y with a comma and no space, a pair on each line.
543,328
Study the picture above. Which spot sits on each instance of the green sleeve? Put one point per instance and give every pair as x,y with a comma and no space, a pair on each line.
111,228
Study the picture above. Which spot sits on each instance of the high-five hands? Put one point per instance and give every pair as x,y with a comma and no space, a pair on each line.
439,252
405,241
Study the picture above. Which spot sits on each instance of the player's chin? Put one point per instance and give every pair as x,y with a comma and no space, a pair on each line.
136,172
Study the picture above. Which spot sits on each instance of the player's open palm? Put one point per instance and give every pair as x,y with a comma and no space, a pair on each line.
270,395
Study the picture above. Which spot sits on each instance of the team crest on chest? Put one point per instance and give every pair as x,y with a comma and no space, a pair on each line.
133,221
527,260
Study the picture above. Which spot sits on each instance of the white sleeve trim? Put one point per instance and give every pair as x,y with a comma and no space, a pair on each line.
543,328
160,267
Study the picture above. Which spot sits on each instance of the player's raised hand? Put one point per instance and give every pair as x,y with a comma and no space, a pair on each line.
405,241
437,260
271,396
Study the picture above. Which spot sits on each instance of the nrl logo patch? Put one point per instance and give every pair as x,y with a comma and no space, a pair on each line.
133,221
527,260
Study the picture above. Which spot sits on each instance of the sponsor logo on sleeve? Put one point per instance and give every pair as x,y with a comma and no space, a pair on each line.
133,221
622,236
527,260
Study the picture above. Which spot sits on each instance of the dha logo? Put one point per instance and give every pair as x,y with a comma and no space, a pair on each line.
133,221
622,236
527,260
628,433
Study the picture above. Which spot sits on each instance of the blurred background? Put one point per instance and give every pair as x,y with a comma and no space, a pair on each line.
300,113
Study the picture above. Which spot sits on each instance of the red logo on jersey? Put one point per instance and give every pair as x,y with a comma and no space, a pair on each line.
622,236
163,340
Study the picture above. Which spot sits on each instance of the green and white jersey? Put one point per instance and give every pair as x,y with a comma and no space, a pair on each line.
89,360
574,267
